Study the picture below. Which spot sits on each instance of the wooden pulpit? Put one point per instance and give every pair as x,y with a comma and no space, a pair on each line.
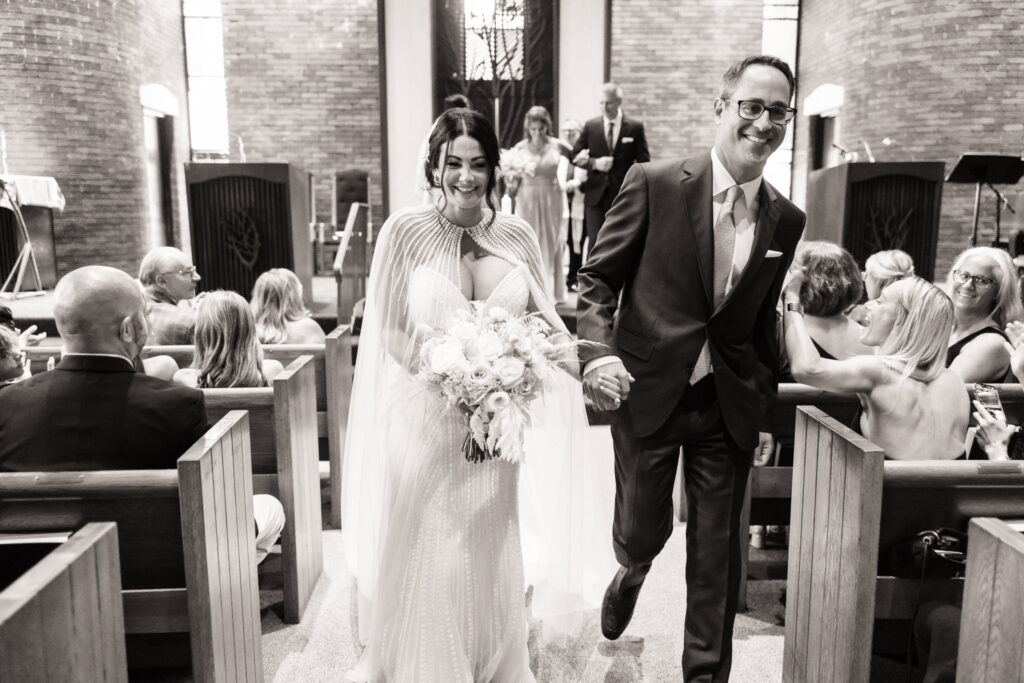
867,207
246,219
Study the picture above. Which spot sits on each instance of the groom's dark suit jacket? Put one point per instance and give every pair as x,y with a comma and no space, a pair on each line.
96,412
630,148
657,248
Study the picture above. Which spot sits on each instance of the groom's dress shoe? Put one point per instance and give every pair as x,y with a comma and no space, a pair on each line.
620,600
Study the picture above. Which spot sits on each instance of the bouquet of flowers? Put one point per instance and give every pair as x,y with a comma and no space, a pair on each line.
516,163
490,365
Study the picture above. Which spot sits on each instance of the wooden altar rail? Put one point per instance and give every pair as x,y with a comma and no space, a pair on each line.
62,619
186,547
851,508
333,370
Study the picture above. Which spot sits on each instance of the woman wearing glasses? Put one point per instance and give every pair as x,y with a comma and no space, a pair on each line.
986,296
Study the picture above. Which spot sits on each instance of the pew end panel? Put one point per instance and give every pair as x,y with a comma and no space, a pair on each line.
176,528
62,619
285,460
339,392
992,620
220,553
837,485
298,483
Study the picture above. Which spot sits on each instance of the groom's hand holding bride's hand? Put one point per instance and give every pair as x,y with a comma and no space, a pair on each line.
607,386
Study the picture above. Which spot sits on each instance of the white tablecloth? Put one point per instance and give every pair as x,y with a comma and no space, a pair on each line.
30,190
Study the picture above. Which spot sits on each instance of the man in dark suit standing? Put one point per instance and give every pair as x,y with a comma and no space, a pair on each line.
698,249
608,146
93,411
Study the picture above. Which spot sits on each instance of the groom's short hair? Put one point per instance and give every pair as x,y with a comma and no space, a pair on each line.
733,74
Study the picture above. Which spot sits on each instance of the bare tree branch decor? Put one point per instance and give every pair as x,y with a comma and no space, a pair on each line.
242,237
889,231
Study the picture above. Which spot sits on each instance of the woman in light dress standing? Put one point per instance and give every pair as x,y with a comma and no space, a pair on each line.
540,196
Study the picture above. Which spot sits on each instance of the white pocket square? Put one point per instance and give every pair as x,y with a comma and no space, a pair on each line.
625,140
771,253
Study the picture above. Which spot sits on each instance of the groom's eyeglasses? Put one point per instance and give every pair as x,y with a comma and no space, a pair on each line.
751,110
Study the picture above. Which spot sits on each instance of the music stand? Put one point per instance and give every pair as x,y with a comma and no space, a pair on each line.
986,169
25,256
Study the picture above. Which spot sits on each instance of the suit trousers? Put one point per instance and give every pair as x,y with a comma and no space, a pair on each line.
594,218
715,472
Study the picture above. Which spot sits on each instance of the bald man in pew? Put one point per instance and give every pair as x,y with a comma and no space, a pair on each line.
93,411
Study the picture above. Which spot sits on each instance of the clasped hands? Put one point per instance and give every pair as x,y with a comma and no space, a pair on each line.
607,387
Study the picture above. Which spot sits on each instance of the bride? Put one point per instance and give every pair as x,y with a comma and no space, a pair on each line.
442,549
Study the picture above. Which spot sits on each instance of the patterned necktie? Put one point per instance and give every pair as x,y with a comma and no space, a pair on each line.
611,137
725,240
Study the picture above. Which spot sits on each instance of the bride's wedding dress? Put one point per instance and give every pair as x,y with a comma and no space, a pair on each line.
451,584
434,540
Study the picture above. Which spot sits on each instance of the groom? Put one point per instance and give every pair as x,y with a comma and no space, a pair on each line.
697,249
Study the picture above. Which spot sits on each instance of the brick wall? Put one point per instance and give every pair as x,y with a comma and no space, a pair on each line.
303,87
669,56
940,79
69,105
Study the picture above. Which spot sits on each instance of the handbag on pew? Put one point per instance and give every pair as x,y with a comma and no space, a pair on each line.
931,554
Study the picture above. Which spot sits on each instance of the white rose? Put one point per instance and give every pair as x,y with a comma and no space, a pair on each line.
498,313
463,331
447,357
510,371
489,346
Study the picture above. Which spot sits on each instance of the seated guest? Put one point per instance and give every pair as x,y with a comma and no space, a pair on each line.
831,285
228,354
1000,440
880,270
914,407
93,411
13,367
169,279
281,317
884,268
983,286
28,337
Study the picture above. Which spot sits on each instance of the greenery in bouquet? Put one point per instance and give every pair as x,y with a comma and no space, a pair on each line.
490,365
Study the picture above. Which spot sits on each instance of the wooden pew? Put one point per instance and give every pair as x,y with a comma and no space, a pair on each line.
282,421
61,620
992,620
333,370
850,508
769,491
186,545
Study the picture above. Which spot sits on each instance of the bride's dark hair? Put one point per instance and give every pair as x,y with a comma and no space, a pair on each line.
452,124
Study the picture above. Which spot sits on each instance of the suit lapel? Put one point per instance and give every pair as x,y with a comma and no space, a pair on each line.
764,231
696,196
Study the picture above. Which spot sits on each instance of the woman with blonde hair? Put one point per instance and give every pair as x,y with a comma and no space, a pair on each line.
914,407
986,296
227,354
281,317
